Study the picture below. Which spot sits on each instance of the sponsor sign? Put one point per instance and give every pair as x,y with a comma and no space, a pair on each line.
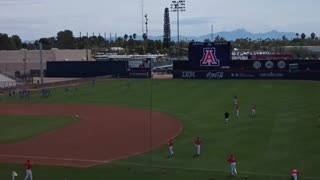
188,74
269,64
271,75
257,65
281,64
215,75
242,75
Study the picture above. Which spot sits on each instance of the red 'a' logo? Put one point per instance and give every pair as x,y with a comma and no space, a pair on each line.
209,57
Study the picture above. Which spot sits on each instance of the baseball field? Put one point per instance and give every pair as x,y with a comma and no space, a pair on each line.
107,131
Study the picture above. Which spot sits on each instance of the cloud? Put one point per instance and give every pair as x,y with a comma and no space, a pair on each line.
21,2
51,16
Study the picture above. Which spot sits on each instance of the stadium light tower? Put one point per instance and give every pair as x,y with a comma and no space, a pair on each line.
146,16
178,6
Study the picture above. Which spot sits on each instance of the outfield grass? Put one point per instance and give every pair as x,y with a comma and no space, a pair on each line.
283,136
19,128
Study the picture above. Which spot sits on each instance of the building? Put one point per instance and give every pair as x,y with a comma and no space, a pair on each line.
12,61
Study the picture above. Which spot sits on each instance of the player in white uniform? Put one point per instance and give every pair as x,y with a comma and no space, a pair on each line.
235,100
170,146
237,111
253,110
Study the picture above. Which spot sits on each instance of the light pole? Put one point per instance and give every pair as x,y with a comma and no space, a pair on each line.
146,16
177,6
24,61
41,63
212,33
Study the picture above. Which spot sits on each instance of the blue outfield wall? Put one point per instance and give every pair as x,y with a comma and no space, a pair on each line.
95,68
213,61
85,68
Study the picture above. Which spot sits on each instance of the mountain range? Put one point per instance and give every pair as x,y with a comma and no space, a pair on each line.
233,35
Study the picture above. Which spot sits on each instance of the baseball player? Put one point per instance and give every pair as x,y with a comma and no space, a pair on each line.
294,174
197,143
232,162
235,100
237,111
226,117
253,110
28,166
170,146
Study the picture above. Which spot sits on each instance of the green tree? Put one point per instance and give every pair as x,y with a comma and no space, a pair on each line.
313,36
284,38
125,37
220,39
144,36
118,42
46,43
303,36
17,41
4,42
66,40
166,29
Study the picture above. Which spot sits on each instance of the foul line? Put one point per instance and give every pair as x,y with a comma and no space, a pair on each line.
151,165
203,169
58,159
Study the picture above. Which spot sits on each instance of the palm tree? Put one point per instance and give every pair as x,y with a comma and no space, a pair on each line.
144,36
313,36
125,37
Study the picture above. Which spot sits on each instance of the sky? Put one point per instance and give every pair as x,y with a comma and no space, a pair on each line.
32,19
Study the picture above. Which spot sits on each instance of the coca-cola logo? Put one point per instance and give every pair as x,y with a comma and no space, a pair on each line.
215,75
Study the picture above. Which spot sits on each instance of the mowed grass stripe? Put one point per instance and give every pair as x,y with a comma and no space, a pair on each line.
18,128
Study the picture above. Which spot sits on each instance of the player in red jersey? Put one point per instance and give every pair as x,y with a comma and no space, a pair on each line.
237,111
28,167
235,100
294,174
197,143
170,146
253,110
232,162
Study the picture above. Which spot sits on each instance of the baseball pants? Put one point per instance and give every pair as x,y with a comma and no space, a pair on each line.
295,177
198,149
253,112
233,169
171,150
28,174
